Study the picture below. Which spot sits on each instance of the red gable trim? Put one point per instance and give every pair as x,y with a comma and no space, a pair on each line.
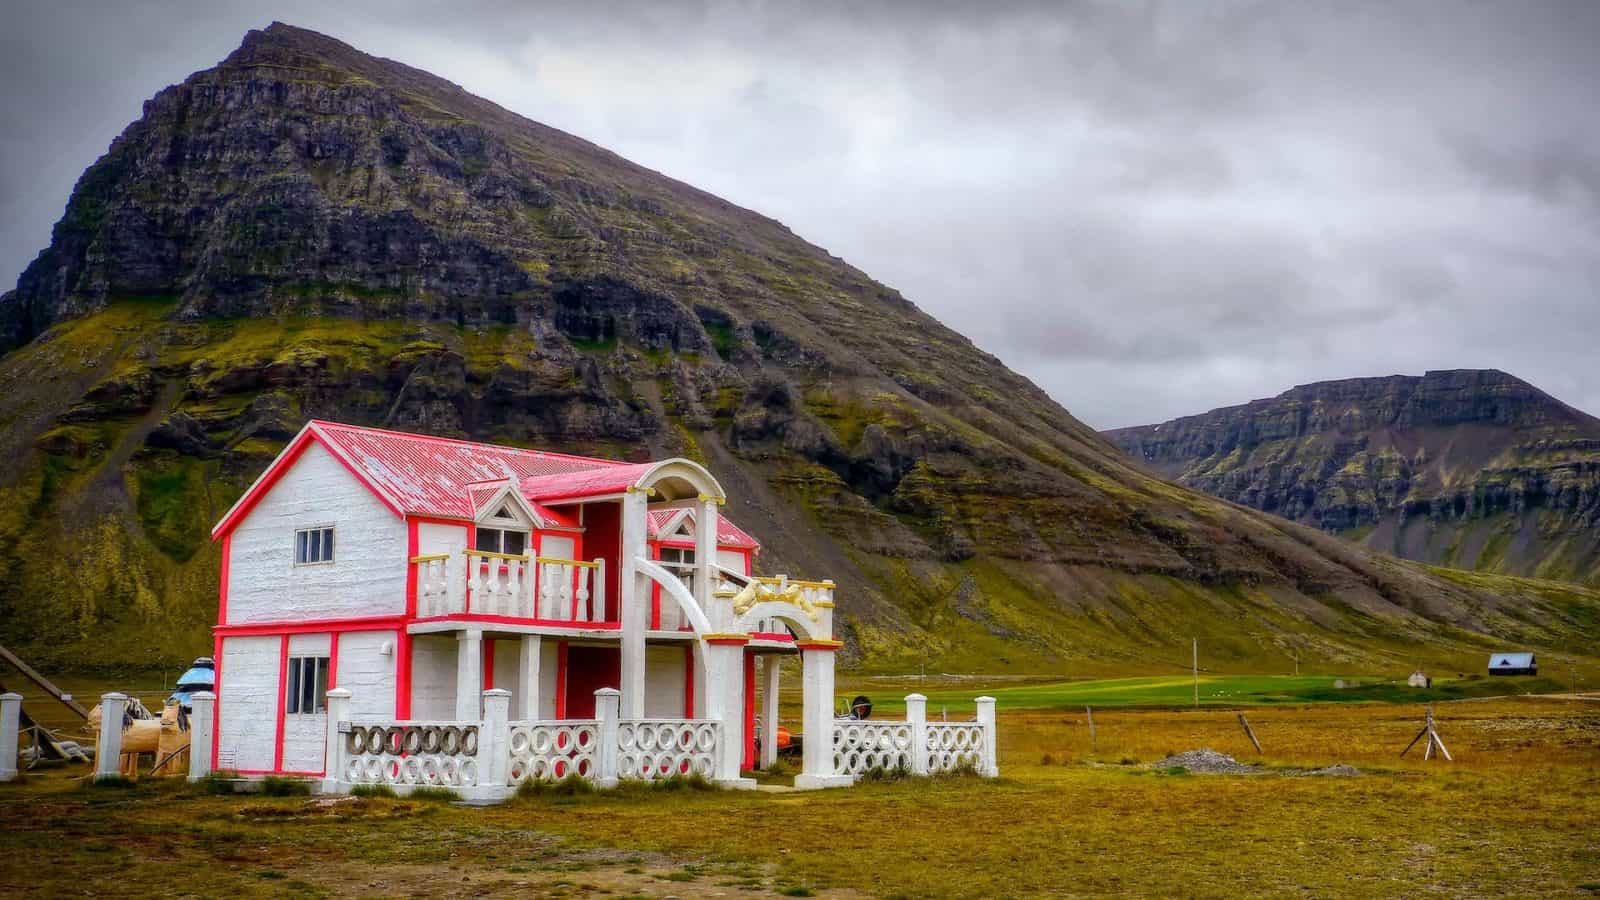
281,467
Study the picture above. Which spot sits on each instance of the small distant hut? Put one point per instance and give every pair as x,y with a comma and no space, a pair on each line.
1419,679
1513,664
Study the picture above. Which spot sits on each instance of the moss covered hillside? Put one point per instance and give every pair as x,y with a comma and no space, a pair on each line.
1473,469
307,231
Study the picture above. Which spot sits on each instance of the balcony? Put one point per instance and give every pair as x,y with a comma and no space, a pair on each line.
497,586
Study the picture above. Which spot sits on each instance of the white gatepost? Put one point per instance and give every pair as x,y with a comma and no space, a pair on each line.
10,726
771,673
725,703
333,750
991,766
816,741
202,732
108,747
917,717
528,677
607,708
633,604
494,743
469,675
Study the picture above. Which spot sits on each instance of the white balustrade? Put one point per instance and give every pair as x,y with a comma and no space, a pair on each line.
954,745
410,753
551,751
659,748
499,584
571,590
860,747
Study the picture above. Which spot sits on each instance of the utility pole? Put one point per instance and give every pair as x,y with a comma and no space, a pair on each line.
1297,663
1196,666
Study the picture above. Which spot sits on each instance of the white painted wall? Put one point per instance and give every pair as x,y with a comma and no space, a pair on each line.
305,734
434,538
732,559
549,655
247,706
367,673
557,546
507,664
433,677
368,574
663,681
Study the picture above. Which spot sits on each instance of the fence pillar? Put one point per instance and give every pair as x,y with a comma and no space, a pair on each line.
990,767
917,717
202,732
333,751
608,709
816,741
108,747
494,739
10,725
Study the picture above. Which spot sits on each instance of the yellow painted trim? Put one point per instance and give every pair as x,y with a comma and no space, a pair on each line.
720,501
433,558
724,636
799,583
822,604
578,563
818,644
647,491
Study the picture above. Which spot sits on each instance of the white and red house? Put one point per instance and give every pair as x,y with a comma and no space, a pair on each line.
409,609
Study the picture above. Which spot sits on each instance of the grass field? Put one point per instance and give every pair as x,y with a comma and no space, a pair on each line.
1515,814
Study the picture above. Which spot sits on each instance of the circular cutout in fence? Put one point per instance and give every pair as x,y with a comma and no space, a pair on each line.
450,742
412,741
469,740
355,742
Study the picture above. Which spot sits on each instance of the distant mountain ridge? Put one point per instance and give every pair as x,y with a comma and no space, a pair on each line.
307,231
1469,468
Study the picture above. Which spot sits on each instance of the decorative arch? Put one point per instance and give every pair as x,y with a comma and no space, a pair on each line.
805,628
680,479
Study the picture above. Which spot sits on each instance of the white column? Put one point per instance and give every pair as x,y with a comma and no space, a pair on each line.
203,732
494,744
705,564
108,748
725,704
917,716
816,745
333,749
528,677
10,726
634,602
990,768
469,675
607,703
771,671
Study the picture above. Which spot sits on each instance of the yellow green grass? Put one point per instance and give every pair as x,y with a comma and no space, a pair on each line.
1514,814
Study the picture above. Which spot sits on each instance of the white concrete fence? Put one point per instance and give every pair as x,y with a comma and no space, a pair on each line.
488,759
10,729
916,746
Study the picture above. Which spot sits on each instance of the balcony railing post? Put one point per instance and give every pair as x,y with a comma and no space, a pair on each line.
990,768
598,609
333,751
10,723
202,732
108,747
607,708
917,716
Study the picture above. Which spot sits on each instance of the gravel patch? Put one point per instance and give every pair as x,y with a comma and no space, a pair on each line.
1206,761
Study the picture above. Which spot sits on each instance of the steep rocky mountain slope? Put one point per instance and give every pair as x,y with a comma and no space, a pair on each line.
307,231
1471,469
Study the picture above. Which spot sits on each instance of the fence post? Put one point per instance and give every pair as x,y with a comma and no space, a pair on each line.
333,752
607,708
917,715
494,739
202,731
991,766
10,724
108,747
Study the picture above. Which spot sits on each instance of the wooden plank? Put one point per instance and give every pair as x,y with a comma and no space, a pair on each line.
42,682
1093,744
1245,724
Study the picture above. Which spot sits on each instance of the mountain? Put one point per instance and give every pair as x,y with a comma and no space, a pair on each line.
308,231
1472,469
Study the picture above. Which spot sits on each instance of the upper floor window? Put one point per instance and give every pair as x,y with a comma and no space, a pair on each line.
306,688
313,545
499,540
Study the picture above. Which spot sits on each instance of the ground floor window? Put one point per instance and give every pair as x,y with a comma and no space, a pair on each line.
307,689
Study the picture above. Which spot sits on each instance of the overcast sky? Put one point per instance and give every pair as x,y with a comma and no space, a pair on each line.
1151,210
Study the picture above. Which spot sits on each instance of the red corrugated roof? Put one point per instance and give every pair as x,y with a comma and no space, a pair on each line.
615,479
728,534
432,476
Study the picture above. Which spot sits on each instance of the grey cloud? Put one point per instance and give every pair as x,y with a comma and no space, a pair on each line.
1151,209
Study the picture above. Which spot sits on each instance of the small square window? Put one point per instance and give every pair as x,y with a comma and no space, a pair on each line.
306,687
313,546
